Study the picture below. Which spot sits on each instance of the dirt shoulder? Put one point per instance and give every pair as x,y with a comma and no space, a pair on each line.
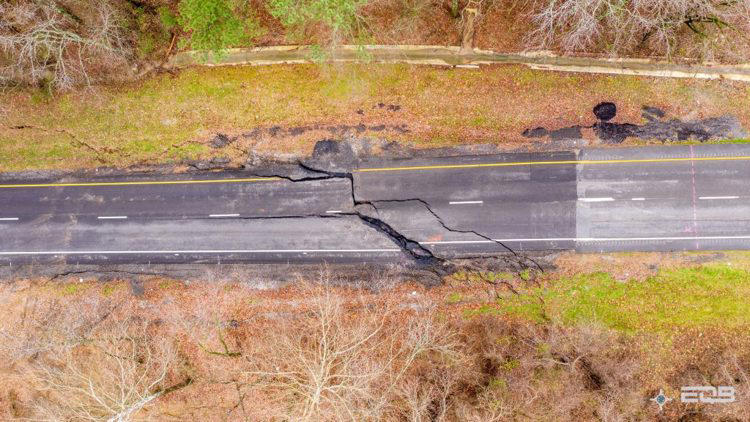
286,109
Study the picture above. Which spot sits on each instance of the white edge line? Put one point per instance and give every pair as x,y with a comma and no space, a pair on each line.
266,251
585,239
9,219
718,197
465,202
113,217
466,242
244,251
607,199
223,215
611,239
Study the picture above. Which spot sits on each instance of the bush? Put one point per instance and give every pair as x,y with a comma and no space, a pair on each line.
341,18
167,18
215,25
152,31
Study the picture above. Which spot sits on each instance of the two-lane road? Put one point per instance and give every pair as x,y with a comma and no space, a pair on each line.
666,198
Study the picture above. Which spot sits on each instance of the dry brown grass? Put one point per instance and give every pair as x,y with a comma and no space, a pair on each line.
640,265
311,351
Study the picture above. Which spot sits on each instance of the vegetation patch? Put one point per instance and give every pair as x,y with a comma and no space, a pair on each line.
705,297
212,351
64,44
172,117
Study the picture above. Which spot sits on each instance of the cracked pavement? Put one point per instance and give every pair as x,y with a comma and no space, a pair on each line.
425,211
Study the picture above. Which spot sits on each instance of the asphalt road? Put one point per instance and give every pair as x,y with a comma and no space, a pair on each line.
666,198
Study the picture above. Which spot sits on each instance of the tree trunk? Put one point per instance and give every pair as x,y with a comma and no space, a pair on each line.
467,29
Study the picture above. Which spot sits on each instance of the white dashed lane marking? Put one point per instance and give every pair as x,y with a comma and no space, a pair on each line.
113,217
223,215
605,199
465,202
718,197
9,219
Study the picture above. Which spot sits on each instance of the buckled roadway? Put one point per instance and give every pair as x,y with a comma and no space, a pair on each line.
593,200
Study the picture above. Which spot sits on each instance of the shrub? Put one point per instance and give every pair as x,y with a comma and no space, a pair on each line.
167,18
215,25
341,18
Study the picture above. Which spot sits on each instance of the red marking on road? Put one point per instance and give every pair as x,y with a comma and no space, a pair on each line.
695,197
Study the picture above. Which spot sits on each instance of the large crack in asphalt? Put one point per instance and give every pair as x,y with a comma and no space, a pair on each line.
520,258
424,258
420,254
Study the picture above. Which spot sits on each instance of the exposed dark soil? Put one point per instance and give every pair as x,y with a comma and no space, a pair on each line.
572,132
656,127
605,111
333,130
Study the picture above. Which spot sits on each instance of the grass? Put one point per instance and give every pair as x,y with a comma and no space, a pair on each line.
734,141
454,298
170,118
712,296
169,284
111,288
70,289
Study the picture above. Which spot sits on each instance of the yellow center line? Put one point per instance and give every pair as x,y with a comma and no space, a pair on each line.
384,169
542,163
152,182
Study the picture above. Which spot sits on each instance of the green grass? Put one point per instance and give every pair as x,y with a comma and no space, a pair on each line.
732,141
73,288
480,121
542,82
714,295
454,298
111,288
169,284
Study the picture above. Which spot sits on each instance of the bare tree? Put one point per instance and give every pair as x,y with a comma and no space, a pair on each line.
46,324
39,43
82,359
111,376
341,363
621,26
